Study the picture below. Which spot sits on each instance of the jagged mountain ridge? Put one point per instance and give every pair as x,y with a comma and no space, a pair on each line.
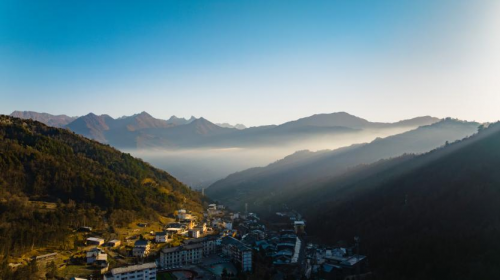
144,131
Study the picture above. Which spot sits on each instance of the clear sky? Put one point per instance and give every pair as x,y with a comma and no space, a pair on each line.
252,62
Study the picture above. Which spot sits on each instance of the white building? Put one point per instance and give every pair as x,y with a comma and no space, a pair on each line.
162,237
175,230
212,206
136,272
95,241
96,254
181,255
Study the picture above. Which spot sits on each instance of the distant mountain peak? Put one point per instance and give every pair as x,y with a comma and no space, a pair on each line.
203,126
202,121
180,121
145,114
329,120
48,119
91,115
227,125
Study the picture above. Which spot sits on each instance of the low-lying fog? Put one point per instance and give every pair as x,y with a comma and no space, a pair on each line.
201,167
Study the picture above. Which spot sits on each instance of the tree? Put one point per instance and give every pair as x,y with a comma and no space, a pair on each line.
224,275
51,270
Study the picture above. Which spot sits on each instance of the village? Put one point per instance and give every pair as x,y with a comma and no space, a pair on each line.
218,245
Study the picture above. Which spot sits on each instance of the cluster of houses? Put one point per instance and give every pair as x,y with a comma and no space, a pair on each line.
233,237
336,262
187,225
194,250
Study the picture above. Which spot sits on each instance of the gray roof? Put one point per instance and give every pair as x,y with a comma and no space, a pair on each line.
133,268
201,239
45,256
228,240
180,248
141,243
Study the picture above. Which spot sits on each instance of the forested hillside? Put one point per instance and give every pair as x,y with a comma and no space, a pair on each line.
434,216
88,181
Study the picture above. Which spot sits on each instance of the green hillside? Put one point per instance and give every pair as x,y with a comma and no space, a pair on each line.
87,181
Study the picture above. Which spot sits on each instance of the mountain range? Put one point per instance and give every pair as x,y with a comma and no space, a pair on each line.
144,131
305,168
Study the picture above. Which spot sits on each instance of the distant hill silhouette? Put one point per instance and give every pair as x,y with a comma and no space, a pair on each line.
431,216
347,120
305,168
237,126
144,131
48,119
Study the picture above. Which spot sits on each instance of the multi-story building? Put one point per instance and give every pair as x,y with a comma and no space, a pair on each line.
209,244
141,248
145,271
238,252
181,255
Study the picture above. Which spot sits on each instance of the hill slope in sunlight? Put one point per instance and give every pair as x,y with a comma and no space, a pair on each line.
46,164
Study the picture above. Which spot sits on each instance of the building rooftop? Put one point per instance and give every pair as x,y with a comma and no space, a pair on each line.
45,256
199,240
181,248
141,243
228,240
174,229
96,239
126,269
352,260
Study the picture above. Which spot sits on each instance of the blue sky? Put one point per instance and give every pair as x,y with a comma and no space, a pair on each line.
252,62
